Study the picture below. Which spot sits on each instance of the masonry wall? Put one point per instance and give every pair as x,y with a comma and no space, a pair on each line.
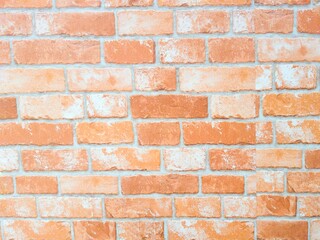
159,119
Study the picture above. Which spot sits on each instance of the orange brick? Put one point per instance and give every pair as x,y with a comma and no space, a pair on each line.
94,230
221,79
124,3
231,50
181,3
258,21
184,159
158,133
298,131
126,51
309,20
5,53
202,21
55,160
8,160
107,106
6,185
222,184
272,205
155,79
70,207
141,230
295,77
169,106
125,159
288,104
288,50
209,229
36,185
36,134
145,22
60,51
309,206
22,80
232,159
8,108
99,79
101,132
182,50
207,207
289,230
88,185
164,184
278,158
315,229
224,106
240,207
265,181
75,24
26,4
78,3
312,158
227,133
36,229
61,107
303,182
18,207
138,207
15,24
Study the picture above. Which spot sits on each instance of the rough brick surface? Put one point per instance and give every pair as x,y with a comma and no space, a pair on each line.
159,119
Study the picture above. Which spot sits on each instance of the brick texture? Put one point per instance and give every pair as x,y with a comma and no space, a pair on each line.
160,119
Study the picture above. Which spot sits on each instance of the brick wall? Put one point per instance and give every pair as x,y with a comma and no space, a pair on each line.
159,119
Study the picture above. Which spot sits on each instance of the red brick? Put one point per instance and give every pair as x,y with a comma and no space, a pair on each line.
102,133
240,207
278,158
126,51
265,181
94,230
222,184
70,207
8,108
55,160
221,79
274,205
312,158
155,79
36,134
78,3
181,3
288,50
18,207
75,24
289,230
9,160
138,207
36,185
99,79
231,50
138,3
6,185
309,20
36,229
288,104
107,159
303,182
209,229
227,133
145,22
164,184
202,21
12,24
26,4
60,51
158,133
169,106
141,230
5,53
207,207
309,206
23,80
315,229
88,185
182,50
